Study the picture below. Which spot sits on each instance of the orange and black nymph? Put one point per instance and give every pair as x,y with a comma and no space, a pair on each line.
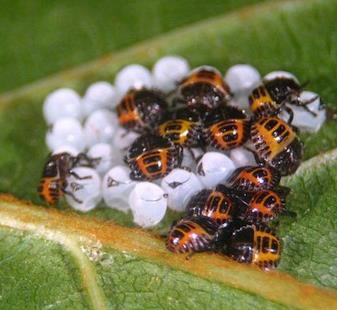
141,110
204,89
151,157
277,144
255,244
254,178
226,128
192,234
216,204
265,205
276,95
53,182
184,128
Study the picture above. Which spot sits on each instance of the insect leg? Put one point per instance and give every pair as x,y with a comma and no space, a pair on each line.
189,256
307,109
76,176
304,103
291,114
283,190
85,160
289,213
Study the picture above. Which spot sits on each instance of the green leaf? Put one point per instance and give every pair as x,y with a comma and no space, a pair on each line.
310,242
54,35
60,259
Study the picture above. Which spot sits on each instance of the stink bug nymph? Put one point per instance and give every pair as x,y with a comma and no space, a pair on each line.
265,205
184,128
255,244
277,144
226,128
254,178
141,110
204,89
192,234
58,167
217,204
272,96
151,157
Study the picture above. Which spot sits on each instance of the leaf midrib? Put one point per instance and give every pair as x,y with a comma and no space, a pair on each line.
71,244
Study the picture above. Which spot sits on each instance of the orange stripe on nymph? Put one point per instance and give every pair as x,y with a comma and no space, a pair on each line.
46,193
184,128
127,111
162,162
235,135
211,78
259,255
275,146
260,98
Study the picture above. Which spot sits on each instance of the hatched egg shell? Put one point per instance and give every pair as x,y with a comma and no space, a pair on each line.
108,157
205,67
148,204
133,76
304,120
242,78
190,157
279,74
66,131
99,95
168,71
241,101
124,138
62,102
214,168
100,127
180,185
66,149
117,187
88,191
242,157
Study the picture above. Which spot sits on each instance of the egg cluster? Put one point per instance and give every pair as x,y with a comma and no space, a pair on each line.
183,139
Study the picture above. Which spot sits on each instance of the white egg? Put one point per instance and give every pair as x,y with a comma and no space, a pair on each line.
180,185
66,131
279,74
188,160
63,102
241,101
84,194
304,120
214,168
99,95
205,67
242,78
133,76
242,157
100,127
148,204
124,138
66,149
168,71
117,187
108,157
